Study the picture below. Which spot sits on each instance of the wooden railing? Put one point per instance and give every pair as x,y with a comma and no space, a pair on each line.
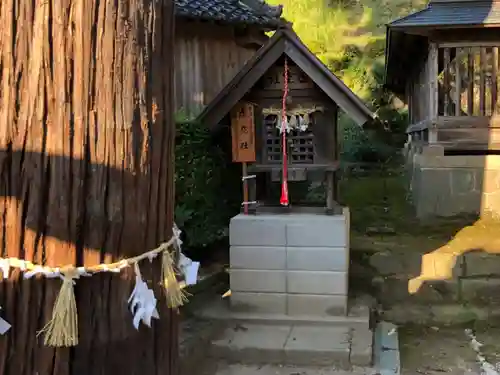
468,80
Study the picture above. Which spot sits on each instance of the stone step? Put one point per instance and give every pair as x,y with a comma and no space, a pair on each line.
295,345
358,316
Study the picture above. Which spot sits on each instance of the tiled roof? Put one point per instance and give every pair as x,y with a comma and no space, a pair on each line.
452,13
250,12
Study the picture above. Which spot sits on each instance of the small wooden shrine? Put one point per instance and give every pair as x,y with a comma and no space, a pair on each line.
283,108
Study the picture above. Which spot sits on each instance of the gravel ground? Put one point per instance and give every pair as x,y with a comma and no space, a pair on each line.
435,351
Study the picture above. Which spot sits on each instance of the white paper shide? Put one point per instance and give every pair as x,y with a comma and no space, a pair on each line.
4,325
142,301
187,267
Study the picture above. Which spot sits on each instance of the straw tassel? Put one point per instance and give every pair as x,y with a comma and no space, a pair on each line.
176,297
62,330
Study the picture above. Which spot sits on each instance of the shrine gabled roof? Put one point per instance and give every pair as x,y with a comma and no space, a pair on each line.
285,42
248,12
452,13
407,37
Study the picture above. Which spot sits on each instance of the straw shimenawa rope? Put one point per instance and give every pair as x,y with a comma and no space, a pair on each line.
176,296
62,329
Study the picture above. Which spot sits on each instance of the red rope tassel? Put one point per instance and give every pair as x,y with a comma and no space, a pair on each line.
284,182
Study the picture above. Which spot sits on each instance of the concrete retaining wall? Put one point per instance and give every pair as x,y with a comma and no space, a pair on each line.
450,185
294,264
474,272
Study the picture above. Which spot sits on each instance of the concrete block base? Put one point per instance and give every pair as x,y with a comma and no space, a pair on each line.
292,264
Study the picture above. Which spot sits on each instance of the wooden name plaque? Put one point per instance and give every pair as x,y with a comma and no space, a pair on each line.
243,133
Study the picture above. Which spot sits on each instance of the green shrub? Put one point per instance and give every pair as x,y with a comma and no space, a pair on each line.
207,186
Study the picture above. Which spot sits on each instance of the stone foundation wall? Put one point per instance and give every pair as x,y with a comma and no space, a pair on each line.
293,264
471,294
475,280
451,185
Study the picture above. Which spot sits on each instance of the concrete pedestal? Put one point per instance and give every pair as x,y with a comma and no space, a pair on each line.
292,264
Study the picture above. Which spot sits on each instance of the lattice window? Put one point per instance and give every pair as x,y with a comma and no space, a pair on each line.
300,143
469,82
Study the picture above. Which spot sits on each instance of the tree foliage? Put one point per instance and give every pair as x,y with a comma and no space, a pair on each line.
207,184
349,37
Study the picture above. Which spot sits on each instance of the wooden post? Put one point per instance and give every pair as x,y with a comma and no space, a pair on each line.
243,143
330,199
245,186
470,86
432,80
433,92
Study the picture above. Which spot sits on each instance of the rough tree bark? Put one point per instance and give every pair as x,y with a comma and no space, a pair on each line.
86,175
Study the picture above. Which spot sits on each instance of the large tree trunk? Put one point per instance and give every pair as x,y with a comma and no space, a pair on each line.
86,167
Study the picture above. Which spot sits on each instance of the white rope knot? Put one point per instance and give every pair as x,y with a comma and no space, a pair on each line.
69,279
5,267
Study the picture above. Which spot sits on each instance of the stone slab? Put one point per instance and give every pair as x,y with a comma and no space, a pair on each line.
316,305
317,258
294,229
219,310
330,232
285,345
262,230
480,291
480,263
318,346
258,257
320,282
239,369
361,347
252,344
273,303
270,281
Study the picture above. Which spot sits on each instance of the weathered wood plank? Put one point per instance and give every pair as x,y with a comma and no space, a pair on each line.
208,58
469,146
458,82
494,80
477,135
470,86
446,81
482,81
467,122
432,81
419,126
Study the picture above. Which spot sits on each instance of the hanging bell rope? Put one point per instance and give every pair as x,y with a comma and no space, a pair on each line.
284,122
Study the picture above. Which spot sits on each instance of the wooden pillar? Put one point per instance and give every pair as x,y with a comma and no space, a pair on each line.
332,192
432,80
